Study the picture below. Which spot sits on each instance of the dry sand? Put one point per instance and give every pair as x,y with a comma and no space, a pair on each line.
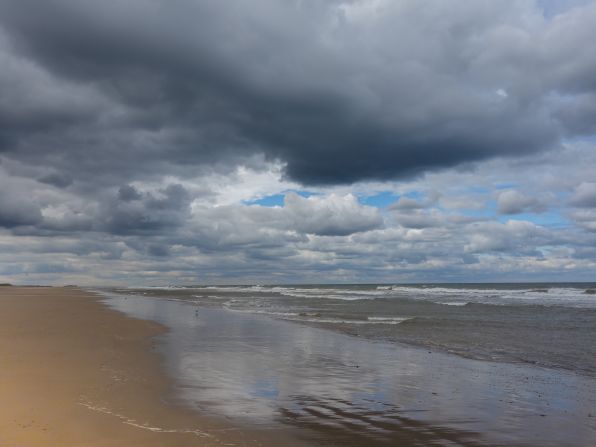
75,373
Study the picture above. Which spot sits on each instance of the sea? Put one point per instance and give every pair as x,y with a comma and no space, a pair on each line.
448,364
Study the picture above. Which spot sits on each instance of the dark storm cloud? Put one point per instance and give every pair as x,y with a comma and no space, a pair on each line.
15,212
127,193
340,91
579,117
57,180
149,213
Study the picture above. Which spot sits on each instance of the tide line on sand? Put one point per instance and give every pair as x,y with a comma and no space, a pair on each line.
144,426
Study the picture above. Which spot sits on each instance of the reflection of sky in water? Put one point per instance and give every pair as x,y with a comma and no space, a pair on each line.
268,372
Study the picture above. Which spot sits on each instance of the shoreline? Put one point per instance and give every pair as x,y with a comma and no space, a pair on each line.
75,372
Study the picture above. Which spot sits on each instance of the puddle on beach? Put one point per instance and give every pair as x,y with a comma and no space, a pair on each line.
332,388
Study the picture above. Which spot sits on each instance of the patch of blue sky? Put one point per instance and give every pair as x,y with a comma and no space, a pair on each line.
380,200
551,219
416,195
272,200
276,199
383,199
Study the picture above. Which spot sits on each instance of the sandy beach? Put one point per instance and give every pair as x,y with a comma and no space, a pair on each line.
114,369
75,373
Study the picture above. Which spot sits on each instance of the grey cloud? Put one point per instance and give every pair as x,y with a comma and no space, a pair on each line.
579,116
34,101
152,212
554,7
13,269
158,250
404,203
585,195
338,91
16,210
417,219
585,218
68,221
57,180
418,214
512,236
127,193
173,196
52,268
514,202
588,253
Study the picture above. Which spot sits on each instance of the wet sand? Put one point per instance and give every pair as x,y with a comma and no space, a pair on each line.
75,373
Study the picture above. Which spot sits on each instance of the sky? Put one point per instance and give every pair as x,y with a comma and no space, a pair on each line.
154,142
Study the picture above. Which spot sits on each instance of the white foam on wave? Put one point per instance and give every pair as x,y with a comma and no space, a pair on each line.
213,297
243,289
545,296
314,317
276,314
332,293
453,296
453,303
369,320
389,320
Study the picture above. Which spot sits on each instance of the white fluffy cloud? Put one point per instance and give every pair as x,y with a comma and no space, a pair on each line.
330,216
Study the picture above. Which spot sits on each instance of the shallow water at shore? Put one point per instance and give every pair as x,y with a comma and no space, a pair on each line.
546,324
331,388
